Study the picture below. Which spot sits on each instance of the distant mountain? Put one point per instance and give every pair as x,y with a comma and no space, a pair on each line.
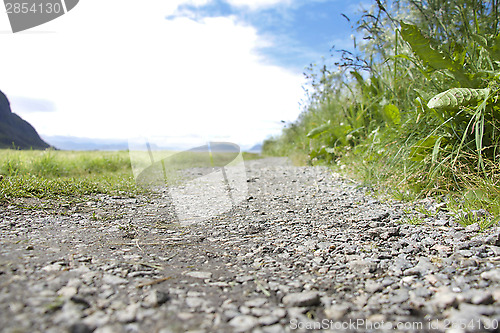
16,132
76,143
257,149
79,143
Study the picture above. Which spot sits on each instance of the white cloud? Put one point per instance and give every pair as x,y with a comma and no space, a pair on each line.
257,4
117,68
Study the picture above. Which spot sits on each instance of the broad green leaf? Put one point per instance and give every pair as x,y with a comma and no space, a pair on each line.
493,46
341,133
313,154
433,58
456,97
314,133
419,67
420,45
424,95
317,152
422,148
392,114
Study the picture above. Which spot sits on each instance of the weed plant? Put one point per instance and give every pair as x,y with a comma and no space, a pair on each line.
414,109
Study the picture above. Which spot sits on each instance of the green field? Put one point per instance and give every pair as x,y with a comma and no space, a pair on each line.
51,174
71,175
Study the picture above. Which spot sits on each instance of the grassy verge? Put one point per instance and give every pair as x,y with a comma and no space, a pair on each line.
63,174
414,110
69,175
251,156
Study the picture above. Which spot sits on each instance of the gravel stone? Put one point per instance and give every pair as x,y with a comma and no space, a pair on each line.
492,275
444,299
114,280
308,298
363,266
337,312
194,302
200,275
482,297
67,292
373,287
423,267
243,323
156,298
473,227
303,243
128,315
268,320
79,328
256,303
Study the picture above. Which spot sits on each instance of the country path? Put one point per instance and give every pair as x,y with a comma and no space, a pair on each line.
305,251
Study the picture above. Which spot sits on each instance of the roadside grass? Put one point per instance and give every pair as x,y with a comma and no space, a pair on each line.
251,156
71,175
53,174
54,163
413,109
465,189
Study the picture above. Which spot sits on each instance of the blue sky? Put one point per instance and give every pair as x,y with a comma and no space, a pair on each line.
179,72
299,32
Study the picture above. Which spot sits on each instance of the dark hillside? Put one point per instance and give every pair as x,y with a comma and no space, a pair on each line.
14,131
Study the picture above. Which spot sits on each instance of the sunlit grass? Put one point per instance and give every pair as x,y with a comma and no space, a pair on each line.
54,174
465,189
414,111
53,164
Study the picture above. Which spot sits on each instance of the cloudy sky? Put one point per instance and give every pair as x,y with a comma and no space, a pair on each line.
186,71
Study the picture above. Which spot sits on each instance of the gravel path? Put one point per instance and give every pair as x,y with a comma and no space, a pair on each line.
305,251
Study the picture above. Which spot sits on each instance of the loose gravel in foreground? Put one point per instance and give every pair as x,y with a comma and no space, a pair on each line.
305,251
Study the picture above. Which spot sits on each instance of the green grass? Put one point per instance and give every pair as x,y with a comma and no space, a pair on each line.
251,156
53,174
53,164
70,175
414,111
